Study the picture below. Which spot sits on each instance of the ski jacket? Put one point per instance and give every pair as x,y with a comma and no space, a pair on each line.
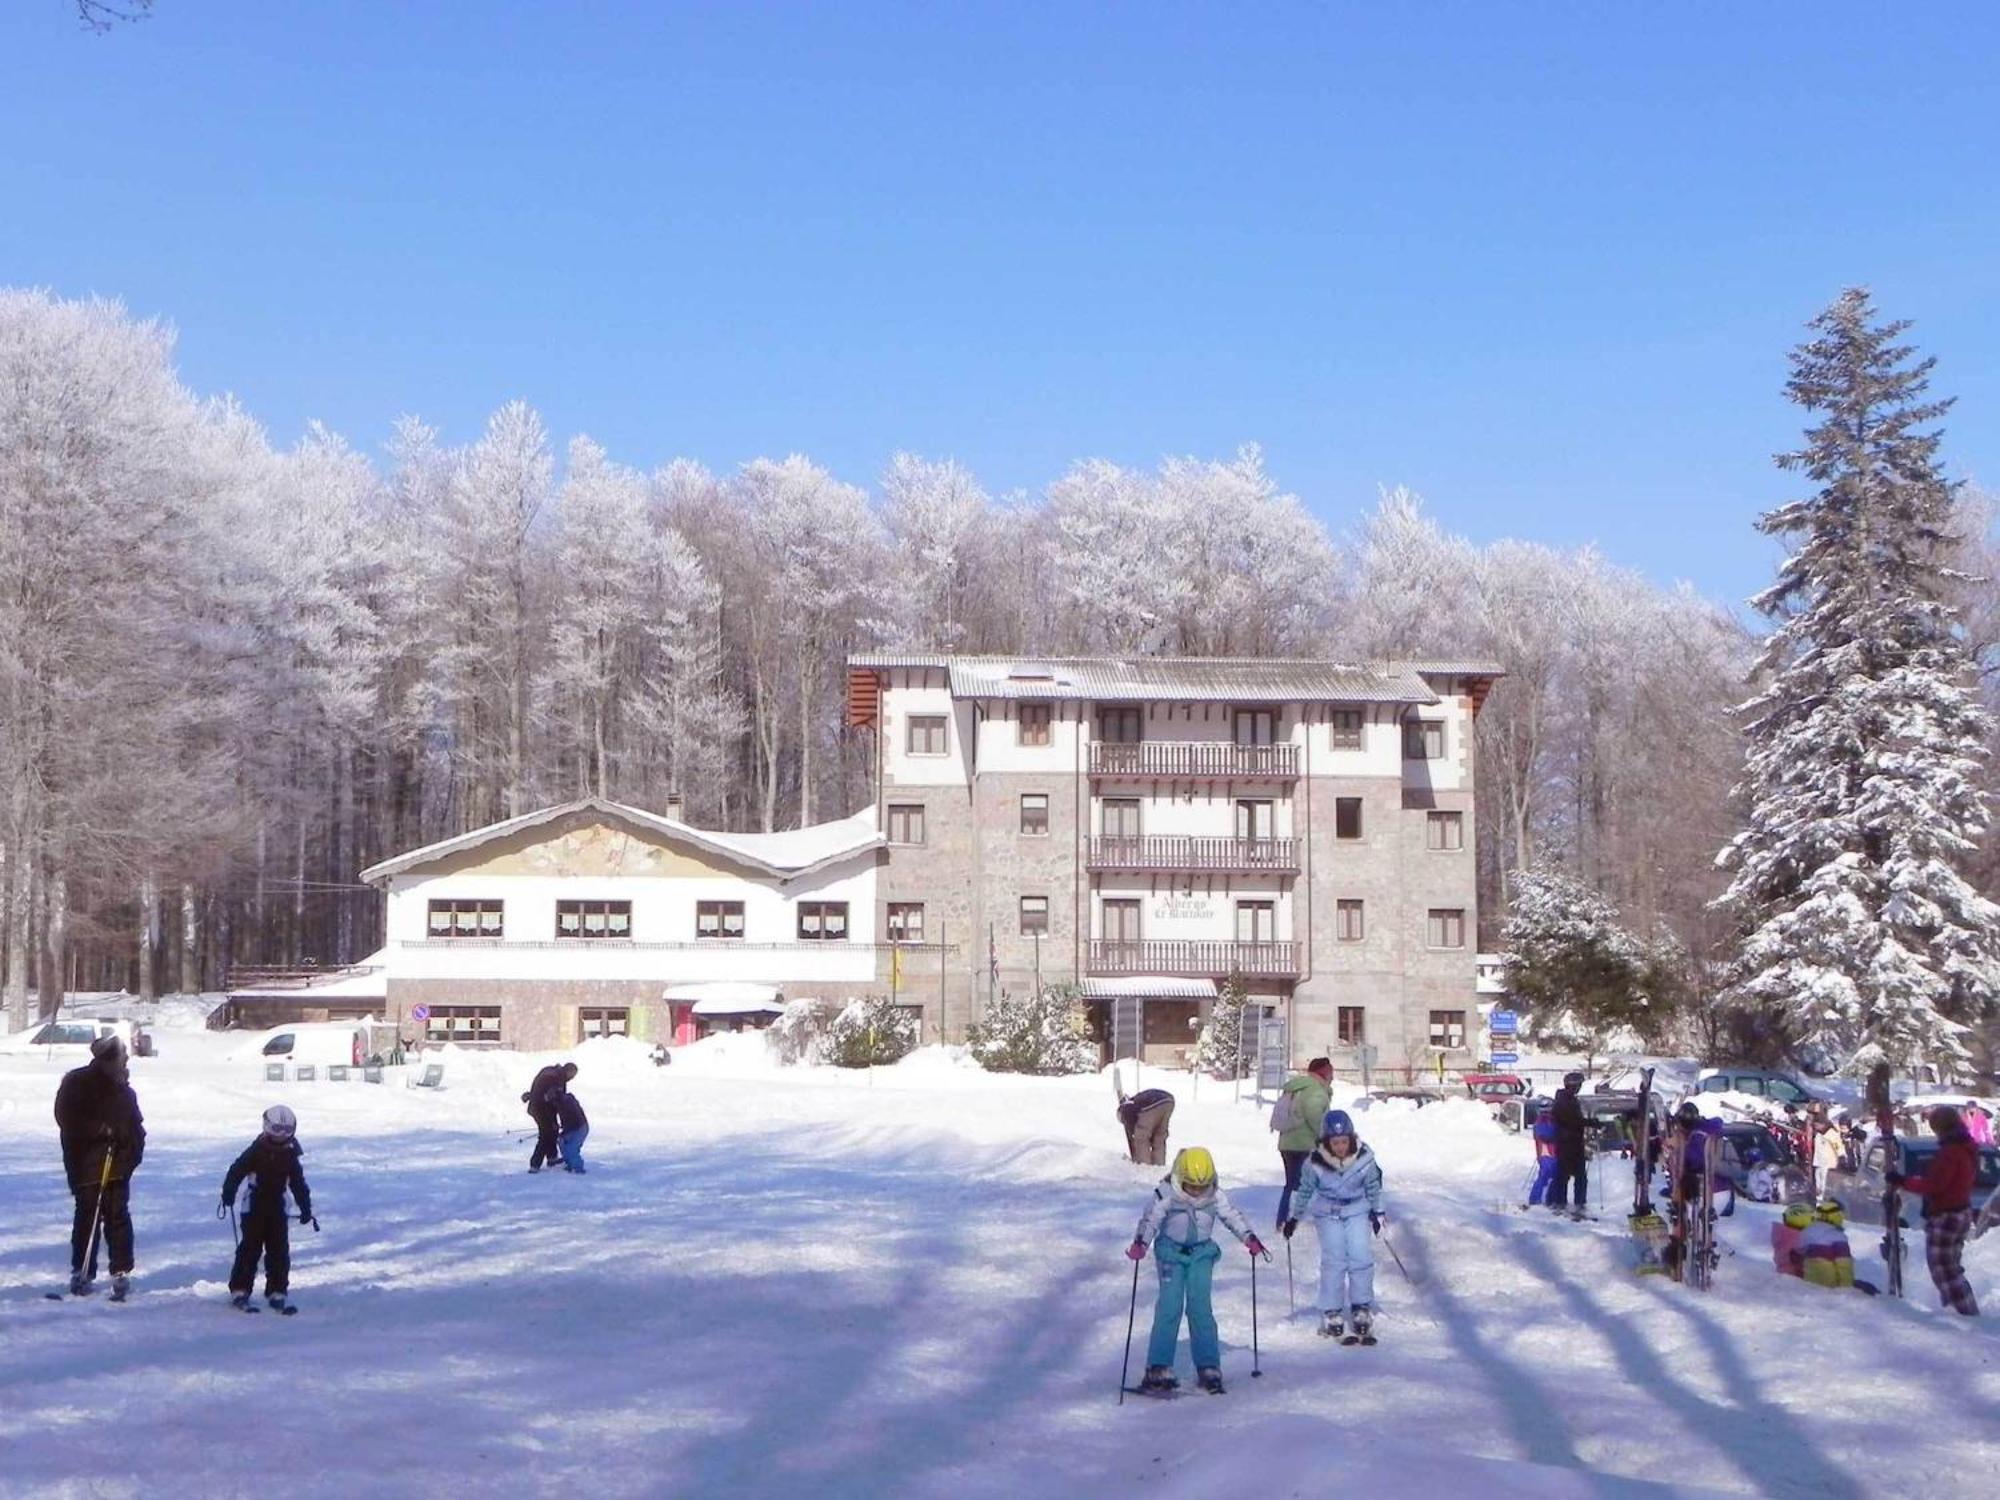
541,1095
1828,1150
1331,1187
1130,1109
1824,1256
1694,1155
1785,1253
569,1113
1311,1098
1545,1136
97,1112
1177,1218
1947,1186
1979,1125
272,1166
1567,1110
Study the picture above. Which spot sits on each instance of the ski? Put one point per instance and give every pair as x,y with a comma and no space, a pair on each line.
1675,1153
1704,1256
1157,1393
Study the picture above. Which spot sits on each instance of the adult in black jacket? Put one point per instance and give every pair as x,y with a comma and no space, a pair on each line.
549,1085
103,1142
1572,1160
272,1163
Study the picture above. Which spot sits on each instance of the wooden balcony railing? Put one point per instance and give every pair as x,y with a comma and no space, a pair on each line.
1172,851
1214,960
1194,758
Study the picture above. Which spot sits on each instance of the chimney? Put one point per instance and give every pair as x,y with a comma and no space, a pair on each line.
675,807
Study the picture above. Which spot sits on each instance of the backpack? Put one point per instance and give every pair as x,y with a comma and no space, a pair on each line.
1284,1114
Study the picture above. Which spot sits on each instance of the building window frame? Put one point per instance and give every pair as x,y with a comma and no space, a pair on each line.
1034,914
927,735
1254,728
1447,1030
1347,728
1349,826
467,1025
1444,832
1351,1025
1114,720
1346,930
1031,726
594,921
1034,819
822,921
1423,739
1444,927
903,922
1262,913
465,917
720,921
905,823
603,1020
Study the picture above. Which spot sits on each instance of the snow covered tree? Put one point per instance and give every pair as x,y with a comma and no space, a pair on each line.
1580,975
1219,1049
1867,739
870,1033
1042,1034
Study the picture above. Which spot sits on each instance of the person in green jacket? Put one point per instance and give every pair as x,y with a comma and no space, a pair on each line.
1304,1101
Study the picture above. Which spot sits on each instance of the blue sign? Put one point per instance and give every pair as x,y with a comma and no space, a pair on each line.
1504,1059
1503,1020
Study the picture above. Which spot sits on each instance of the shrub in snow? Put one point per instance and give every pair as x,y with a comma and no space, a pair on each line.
1582,977
1043,1034
1220,1050
799,1035
870,1032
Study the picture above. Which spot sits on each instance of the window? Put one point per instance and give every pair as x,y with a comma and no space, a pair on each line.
1034,914
1256,726
1347,817
1035,813
593,919
1444,830
822,921
906,822
465,919
1256,921
1446,928
468,1025
1423,739
1121,921
1120,726
927,735
1121,817
718,919
1346,724
1254,819
1353,1023
1448,1029
906,921
601,1021
1347,922
1033,724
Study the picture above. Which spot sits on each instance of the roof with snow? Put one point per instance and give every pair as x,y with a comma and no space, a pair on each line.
1182,679
794,852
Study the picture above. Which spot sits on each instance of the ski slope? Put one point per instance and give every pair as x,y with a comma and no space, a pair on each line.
905,1283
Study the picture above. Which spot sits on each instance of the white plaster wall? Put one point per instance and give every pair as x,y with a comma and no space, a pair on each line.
912,692
1193,915
1205,814
1001,750
1381,752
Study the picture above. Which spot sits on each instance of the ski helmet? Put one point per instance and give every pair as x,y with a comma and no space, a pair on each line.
1689,1113
1336,1123
1194,1169
280,1124
1572,1080
1798,1215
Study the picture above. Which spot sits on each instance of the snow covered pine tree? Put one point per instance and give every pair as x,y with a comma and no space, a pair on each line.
1866,741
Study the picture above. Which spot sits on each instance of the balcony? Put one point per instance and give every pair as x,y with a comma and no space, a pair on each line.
1180,853
1213,960
1200,758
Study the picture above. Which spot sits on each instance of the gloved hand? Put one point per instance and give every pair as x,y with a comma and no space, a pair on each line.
1256,1247
524,1098
1894,1179
1136,1250
305,1216
1375,1223
1289,1227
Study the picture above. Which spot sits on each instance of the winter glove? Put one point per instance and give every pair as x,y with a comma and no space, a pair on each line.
1375,1222
1136,1250
1290,1226
1256,1247
306,1216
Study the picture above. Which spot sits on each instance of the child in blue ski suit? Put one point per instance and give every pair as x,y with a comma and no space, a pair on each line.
1180,1224
1545,1158
1340,1190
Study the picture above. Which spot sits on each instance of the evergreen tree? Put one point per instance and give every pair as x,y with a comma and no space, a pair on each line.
1578,971
1867,740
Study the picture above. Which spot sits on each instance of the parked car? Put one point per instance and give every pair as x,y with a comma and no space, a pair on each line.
308,1042
1491,1086
74,1036
1779,1088
1860,1191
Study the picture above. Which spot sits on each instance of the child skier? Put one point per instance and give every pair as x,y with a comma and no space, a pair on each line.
1180,1225
1545,1159
1340,1189
271,1162
575,1128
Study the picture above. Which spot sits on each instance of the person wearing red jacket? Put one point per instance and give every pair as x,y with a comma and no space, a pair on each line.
1947,1193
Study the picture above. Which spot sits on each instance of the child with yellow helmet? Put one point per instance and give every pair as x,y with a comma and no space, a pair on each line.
1824,1255
1179,1223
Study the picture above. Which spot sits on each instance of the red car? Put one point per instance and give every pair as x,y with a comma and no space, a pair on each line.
1493,1087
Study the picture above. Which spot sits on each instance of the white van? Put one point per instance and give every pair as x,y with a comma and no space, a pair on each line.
317,1042
73,1037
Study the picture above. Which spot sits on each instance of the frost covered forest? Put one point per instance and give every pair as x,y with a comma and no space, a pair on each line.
235,673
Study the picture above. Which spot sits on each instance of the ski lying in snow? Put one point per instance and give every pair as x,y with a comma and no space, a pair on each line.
1154,1392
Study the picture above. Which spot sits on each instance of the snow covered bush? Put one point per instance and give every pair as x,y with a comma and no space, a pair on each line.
799,1035
1585,981
870,1032
1220,1050
1043,1034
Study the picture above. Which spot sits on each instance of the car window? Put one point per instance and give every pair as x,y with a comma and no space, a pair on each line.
78,1035
280,1045
1747,1083
1989,1169
1790,1092
1712,1086
48,1034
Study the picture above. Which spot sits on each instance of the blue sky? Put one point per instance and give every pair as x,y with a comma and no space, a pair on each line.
1539,261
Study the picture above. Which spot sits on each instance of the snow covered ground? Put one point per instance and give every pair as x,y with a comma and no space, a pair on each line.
905,1283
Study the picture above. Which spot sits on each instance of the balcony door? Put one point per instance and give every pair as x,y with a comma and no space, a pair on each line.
1256,818
1256,921
1256,726
1124,725
1121,922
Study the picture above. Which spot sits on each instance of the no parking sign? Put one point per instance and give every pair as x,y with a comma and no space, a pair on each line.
420,1012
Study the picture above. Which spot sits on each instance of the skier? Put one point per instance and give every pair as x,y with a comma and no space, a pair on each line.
1340,1189
1693,1155
1180,1225
271,1162
1572,1157
1545,1159
575,1128
1947,1193
1303,1102
103,1142
1144,1116
541,1102
1825,1258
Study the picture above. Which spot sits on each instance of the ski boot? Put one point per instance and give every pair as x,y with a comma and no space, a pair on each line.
1330,1326
241,1302
79,1284
121,1286
533,1171
1364,1326
1211,1379
276,1302
1158,1381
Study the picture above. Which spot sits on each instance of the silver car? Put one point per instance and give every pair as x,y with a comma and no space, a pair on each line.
1860,1190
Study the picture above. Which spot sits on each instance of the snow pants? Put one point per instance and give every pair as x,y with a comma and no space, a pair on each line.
1572,1165
1294,1161
115,1226
1346,1261
545,1139
1545,1176
572,1148
1186,1272
1148,1136
1944,1253
269,1235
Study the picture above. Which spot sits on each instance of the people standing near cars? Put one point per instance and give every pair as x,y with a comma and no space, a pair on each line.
1302,1104
1572,1156
549,1085
1340,1190
1144,1116
1947,1193
103,1141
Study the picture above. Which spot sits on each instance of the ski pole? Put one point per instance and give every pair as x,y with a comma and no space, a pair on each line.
1256,1357
97,1214
1291,1292
1390,1246
1125,1365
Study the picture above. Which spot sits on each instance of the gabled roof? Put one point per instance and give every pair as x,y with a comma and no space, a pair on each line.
1181,679
795,852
